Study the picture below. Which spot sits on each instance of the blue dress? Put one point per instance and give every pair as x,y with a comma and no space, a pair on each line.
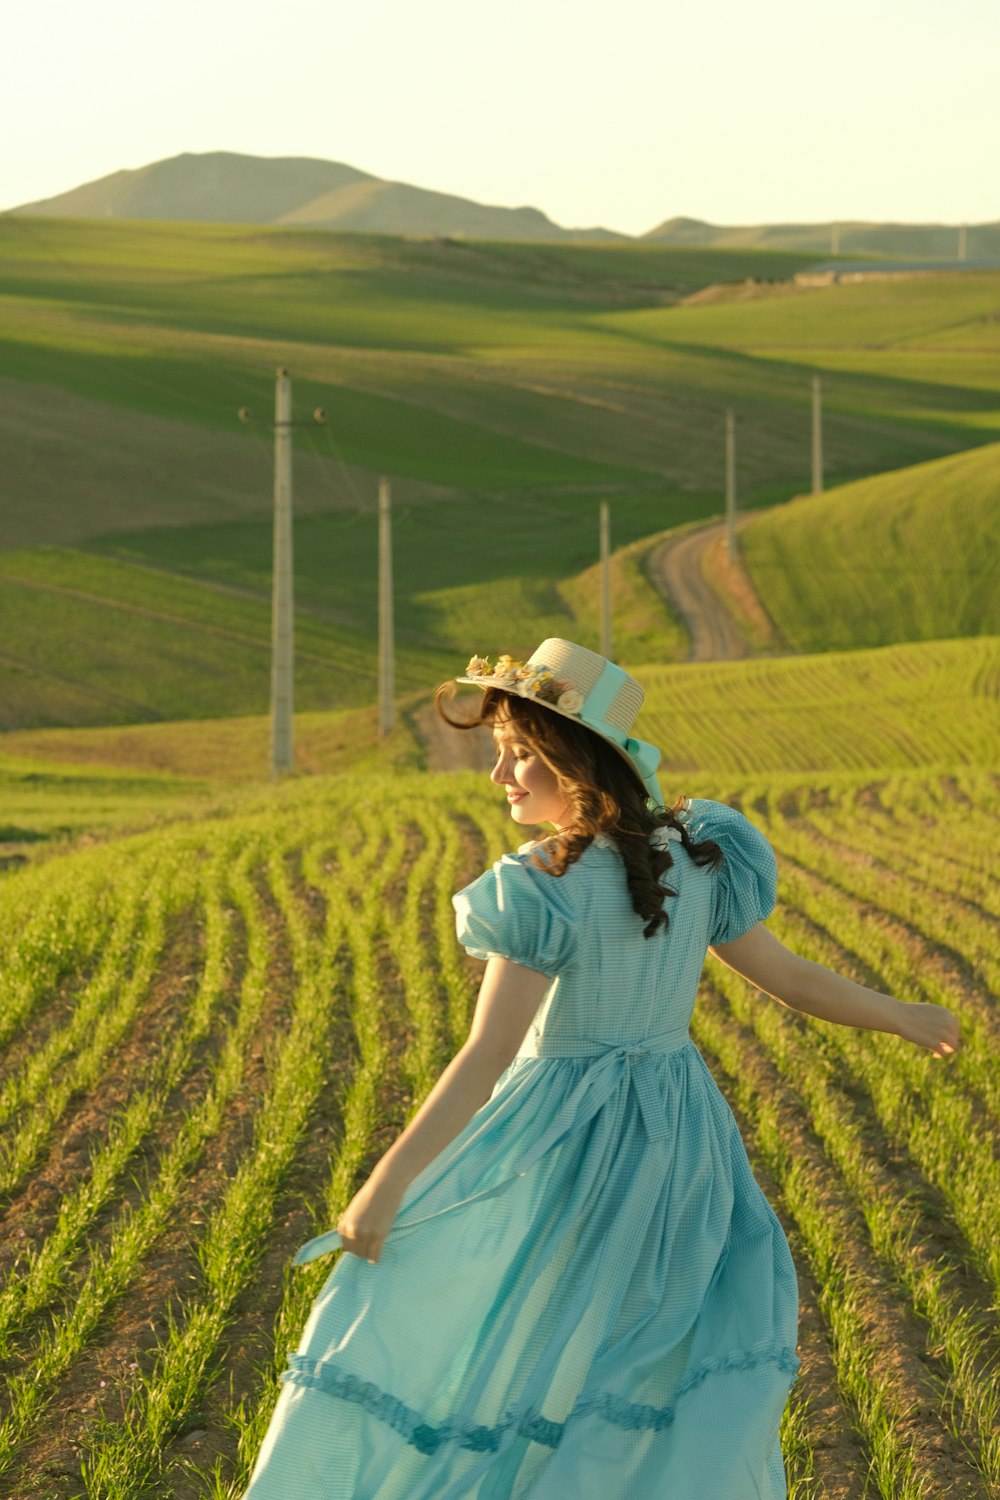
586,1294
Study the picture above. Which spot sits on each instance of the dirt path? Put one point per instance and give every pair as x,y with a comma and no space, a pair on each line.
452,749
677,570
680,570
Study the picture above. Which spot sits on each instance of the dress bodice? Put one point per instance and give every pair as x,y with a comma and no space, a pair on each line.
610,985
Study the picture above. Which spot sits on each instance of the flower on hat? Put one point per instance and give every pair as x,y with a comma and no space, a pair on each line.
534,681
506,670
527,679
570,701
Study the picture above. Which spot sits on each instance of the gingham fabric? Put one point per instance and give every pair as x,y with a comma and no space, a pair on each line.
586,1294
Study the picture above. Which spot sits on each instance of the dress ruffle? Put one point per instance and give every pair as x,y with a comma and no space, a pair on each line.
527,1422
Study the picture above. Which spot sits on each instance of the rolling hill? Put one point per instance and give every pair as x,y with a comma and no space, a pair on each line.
231,187
175,623
931,703
907,556
477,370
504,387
904,241
219,1021
224,187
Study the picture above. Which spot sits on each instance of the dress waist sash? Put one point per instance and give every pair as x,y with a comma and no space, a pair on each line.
631,1063
543,1044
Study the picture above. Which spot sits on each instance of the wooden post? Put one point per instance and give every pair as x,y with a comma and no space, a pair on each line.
282,600
730,486
817,437
605,580
386,660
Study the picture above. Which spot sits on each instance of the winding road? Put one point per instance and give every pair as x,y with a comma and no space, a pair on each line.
450,749
676,569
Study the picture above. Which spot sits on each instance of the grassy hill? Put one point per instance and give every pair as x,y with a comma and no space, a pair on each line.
478,369
175,623
907,241
226,187
504,387
928,704
906,556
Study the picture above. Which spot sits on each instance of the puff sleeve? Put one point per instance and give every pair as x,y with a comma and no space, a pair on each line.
517,911
746,883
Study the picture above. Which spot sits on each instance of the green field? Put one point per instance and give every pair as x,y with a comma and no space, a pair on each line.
221,997
168,624
505,389
906,556
212,1028
926,703
933,704
480,368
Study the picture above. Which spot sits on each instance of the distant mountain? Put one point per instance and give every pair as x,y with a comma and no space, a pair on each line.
910,241
223,187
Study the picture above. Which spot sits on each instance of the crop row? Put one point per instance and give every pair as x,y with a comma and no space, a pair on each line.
324,993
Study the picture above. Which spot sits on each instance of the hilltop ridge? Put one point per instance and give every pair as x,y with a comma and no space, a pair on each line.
934,242
226,187
229,187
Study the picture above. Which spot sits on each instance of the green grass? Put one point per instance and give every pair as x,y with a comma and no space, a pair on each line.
907,556
514,385
931,703
50,801
175,623
922,704
296,961
490,369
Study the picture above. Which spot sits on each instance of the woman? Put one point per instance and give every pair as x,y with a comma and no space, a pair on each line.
563,1278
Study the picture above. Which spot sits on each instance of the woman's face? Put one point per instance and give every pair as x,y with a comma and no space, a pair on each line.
532,787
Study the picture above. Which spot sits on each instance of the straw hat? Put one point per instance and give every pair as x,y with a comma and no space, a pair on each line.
580,685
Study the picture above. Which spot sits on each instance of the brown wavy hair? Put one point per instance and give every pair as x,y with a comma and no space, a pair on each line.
604,793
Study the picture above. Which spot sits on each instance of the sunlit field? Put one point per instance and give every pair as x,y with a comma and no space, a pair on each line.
907,556
212,1029
221,997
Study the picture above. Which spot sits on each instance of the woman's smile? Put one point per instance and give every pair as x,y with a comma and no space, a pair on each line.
533,794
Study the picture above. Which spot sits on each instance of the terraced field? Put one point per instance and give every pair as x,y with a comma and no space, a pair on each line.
213,1029
924,703
506,389
907,556
174,624
930,702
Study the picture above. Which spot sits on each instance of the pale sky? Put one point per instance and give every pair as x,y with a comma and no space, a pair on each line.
619,113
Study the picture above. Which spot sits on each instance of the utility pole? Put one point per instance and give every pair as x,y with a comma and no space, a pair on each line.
282,599
730,487
386,663
605,580
962,241
282,574
817,436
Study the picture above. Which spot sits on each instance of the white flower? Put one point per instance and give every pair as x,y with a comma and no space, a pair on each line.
571,701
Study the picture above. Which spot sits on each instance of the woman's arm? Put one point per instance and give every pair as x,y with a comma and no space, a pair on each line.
508,998
809,987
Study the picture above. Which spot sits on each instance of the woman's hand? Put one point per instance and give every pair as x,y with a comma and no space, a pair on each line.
368,1218
931,1026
